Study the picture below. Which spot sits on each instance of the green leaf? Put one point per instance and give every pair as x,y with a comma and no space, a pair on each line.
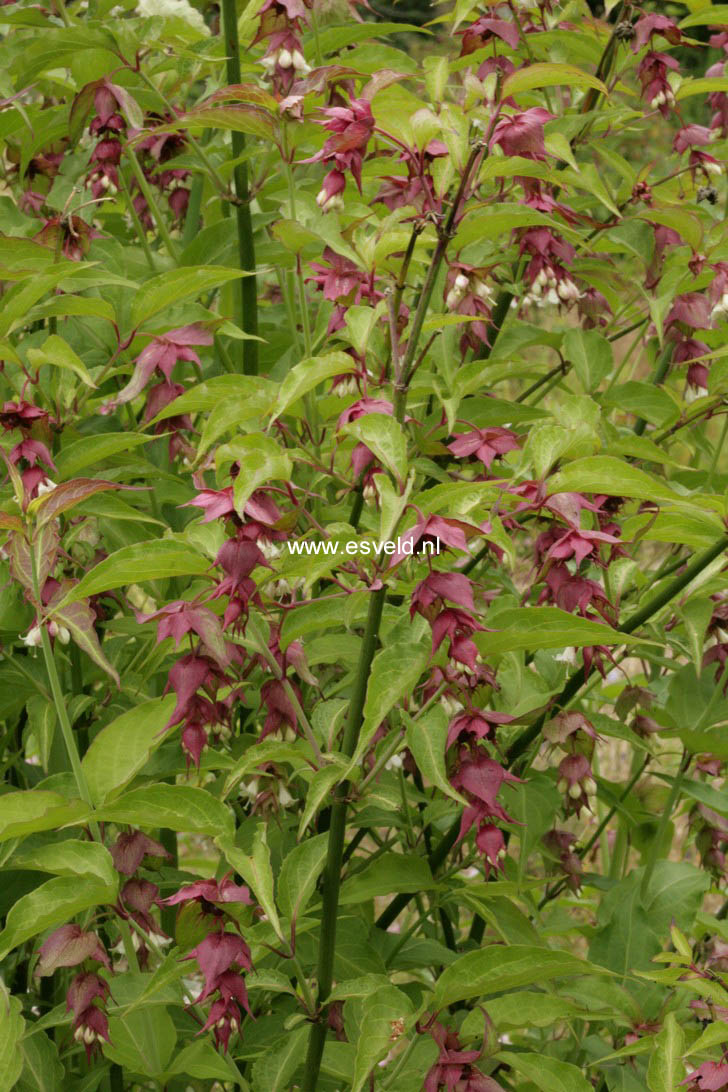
632,928
42,1069
497,969
549,1074
23,813
706,86
178,807
12,1026
294,236
299,874
205,396
260,459
231,415
549,75
384,1016
615,477
239,117
273,1070
59,354
705,794
426,738
544,627
643,400
388,874
122,748
306,376
395,671
498,220
42,723
528,1009
69,858
319,789
152,560
384,438
92,450
665,1070
201,1061
161,292
696,614
66,496
51,904
710,15
142,1040
80,620
590,354
256,870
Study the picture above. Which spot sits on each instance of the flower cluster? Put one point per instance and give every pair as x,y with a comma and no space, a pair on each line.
222,956
454,1068
86,997
351,128
281,24
30,454
132,851
654,66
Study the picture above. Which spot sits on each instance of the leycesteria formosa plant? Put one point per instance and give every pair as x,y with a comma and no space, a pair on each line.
363,518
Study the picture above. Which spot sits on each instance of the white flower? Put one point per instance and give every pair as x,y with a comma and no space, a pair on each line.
693,393
167,9
46,487
483,291
450,705
299,62
33,638
567,656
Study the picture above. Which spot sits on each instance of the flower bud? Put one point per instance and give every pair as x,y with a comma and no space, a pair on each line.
285,60
299,62
33,638
483,291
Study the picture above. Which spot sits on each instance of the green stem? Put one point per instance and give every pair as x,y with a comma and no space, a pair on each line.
304,986
128,943
244,223
445,233
59,700
151,200
664,820
192,216
332,870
